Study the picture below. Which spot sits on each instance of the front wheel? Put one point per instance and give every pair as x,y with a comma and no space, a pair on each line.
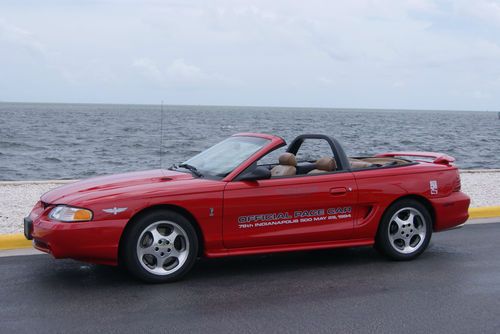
160,247
405,230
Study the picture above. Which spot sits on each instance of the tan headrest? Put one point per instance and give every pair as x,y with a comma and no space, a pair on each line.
281,170
355,163
326,163
287,159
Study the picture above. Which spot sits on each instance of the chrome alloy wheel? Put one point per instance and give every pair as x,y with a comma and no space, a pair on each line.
407,230
163,247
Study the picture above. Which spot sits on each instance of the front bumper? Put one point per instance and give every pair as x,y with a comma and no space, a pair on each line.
94,241
28,228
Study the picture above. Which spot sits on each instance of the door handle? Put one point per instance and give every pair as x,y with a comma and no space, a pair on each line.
338,191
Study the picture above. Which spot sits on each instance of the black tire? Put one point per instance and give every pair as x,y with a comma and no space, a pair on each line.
129,248
404,242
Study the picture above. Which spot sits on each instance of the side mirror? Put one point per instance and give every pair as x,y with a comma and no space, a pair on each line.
257,173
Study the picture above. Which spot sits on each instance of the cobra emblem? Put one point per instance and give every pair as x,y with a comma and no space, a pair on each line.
114,210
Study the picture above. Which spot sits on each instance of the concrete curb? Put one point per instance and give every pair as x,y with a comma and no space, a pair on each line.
18,241
14,241
484,212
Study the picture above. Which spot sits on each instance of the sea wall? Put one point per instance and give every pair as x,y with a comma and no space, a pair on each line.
18,197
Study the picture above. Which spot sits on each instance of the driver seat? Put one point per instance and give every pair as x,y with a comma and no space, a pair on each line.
287,166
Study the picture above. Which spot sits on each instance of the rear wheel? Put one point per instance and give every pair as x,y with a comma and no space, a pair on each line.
160,247
405,230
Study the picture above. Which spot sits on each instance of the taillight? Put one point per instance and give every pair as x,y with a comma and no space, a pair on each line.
457,185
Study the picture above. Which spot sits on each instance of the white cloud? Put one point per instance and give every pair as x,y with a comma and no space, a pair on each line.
484,10
13,35
364,53
149,68
326,81
179,73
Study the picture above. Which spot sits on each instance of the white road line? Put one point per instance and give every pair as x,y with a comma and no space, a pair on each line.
21,251
483,221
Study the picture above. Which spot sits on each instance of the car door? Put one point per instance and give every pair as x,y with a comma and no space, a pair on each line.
291,210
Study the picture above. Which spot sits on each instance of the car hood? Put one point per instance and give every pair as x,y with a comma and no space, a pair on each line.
98,186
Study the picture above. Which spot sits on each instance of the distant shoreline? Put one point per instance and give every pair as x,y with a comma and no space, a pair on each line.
281,107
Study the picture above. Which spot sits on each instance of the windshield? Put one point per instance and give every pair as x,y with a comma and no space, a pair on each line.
224,157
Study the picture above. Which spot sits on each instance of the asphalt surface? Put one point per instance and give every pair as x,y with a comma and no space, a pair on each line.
453,287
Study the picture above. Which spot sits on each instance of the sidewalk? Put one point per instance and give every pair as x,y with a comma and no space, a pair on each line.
18,197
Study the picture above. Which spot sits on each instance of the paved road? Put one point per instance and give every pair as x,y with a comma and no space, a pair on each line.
453,287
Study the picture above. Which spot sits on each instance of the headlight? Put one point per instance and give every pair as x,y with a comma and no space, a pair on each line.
70,214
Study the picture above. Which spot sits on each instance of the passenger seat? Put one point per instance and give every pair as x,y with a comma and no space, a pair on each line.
287,166
324,165
358,164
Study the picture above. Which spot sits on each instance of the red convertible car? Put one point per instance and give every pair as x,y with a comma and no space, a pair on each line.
232,199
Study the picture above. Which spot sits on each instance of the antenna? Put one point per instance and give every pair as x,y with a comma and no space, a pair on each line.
161,135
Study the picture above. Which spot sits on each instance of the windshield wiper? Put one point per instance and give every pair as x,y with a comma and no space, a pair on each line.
192,169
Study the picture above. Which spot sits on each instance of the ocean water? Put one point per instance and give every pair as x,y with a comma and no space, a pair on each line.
56,141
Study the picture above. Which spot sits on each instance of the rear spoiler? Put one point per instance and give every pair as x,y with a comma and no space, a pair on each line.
438,158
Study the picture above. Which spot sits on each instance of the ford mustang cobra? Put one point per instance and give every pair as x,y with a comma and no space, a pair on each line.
235,198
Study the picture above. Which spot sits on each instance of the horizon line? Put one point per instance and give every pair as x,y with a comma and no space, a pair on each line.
247,106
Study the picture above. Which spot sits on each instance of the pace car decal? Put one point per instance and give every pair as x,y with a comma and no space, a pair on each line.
295,217
433,184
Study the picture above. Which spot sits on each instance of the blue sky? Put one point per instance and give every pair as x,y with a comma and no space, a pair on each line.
415,54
